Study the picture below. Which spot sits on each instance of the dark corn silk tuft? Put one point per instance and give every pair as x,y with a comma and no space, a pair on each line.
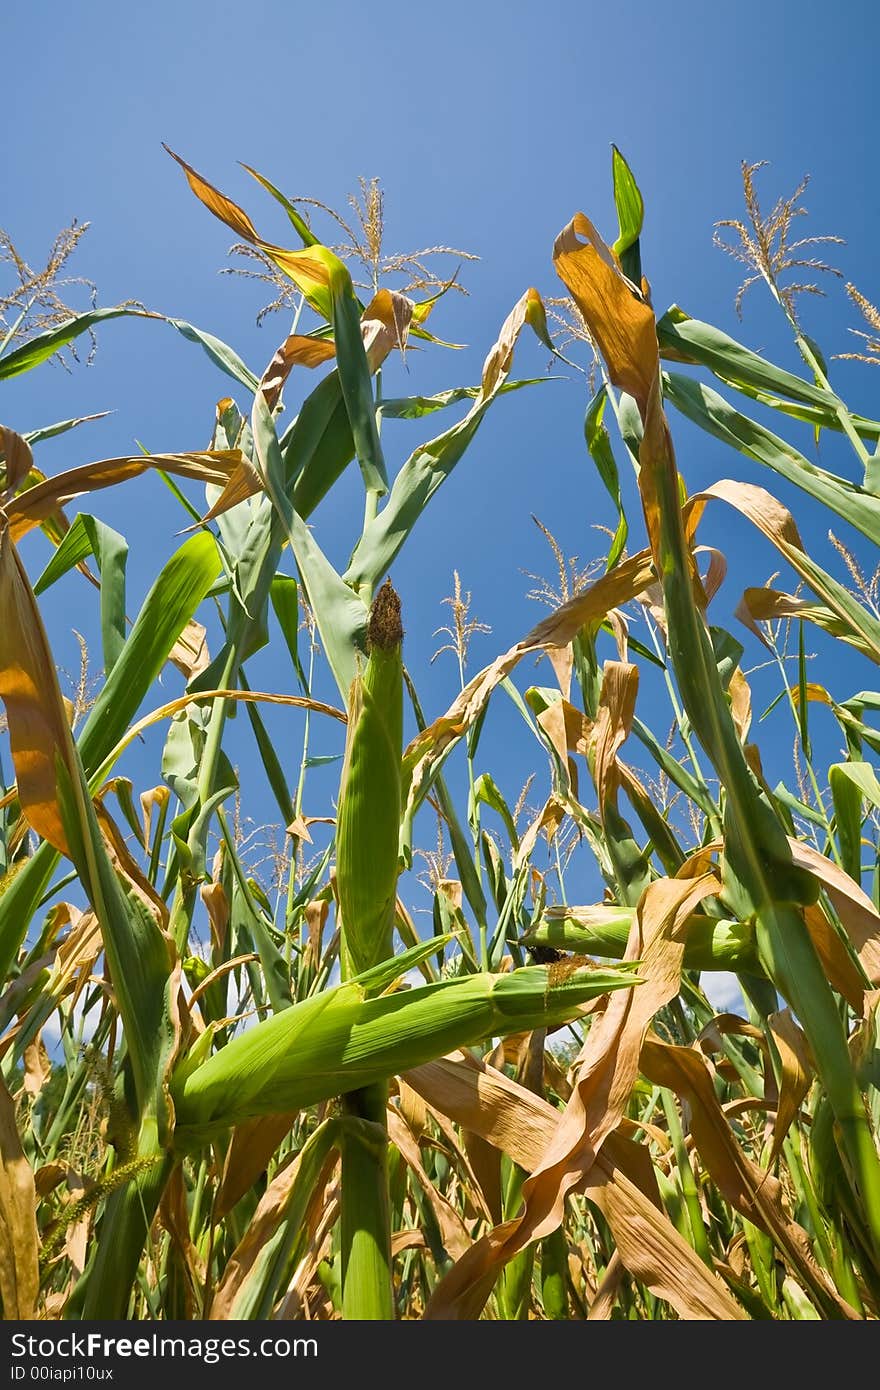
385,629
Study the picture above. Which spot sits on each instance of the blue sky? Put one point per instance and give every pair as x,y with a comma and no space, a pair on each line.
489,125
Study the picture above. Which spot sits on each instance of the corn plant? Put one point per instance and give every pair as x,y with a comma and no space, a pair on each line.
276,1097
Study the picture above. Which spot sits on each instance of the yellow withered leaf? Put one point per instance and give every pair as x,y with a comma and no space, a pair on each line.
19,1261
797,1074
385,324
619,320
850,901
617,702
190,652
16,458
528,310
28,509
752,1190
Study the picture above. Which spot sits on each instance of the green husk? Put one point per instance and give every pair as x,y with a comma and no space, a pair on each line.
368,819
342,1040
603,931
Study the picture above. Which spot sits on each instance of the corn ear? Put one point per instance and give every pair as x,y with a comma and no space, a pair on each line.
710,944
368,819
341,1040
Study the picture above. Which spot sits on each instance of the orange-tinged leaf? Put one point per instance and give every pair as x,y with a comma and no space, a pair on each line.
385,324
250,1150
527,310
843,974
39,734
617,703
452,1229
229,212
838,611
315,270
757,1194
297,350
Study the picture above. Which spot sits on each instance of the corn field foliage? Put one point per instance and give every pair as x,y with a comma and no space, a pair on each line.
285,1099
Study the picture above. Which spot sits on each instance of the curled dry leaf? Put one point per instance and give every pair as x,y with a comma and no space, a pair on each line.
776,522
757,1194
37,1067
619,586
28,509
797,1074
190,652
301,1183
19,1242
250,1150
607,1070
617,703
851,903
453,1231
509,1117
613,309
16,459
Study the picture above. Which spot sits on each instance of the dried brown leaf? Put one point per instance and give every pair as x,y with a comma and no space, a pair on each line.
19,1242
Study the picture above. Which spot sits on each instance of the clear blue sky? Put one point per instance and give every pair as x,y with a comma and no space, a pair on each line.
489,124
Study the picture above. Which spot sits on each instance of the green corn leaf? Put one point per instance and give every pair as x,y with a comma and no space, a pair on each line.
630,216
42,346
318,446
355,379
89,536
685,339
223,356
416,407
340,615
61,427
712,413
602,455
285,601
297,221
429,467
846,795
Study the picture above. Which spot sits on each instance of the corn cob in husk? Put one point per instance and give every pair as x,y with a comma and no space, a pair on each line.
710,944
342,1040
368,815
